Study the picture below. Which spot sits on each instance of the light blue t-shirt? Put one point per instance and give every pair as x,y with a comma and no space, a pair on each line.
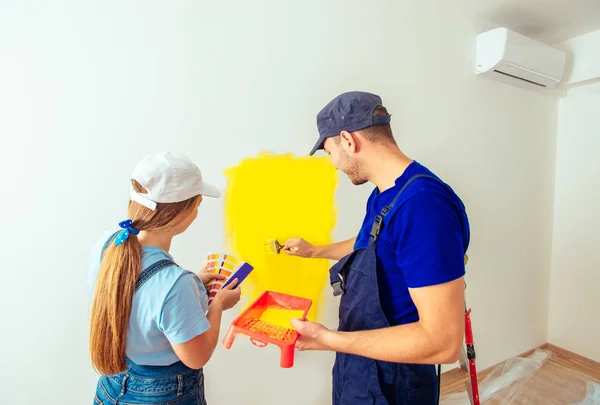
169,308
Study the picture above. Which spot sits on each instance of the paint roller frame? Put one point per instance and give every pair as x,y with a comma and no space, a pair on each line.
270,299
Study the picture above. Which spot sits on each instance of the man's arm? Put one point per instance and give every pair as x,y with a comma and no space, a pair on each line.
435,339
335,251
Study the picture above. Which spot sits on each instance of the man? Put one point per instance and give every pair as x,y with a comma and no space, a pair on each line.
401,279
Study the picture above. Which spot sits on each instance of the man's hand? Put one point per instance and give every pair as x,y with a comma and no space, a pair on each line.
207,276
435,339
299,247
313,336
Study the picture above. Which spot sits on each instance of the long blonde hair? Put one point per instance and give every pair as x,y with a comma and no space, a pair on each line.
119,270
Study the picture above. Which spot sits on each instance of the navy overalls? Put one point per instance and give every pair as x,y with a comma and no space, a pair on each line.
359,380
140,384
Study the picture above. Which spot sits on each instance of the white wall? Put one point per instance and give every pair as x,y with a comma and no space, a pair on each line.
574,298
583,64
87,88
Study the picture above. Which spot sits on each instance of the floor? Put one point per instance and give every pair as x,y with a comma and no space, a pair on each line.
562,379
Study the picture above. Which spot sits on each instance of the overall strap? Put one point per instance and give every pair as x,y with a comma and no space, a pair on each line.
378,221
335,278
151,271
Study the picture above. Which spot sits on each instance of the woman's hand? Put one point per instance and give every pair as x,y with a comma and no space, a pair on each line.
207,276
229,296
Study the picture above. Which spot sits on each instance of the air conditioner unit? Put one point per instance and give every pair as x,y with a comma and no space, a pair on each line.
513,58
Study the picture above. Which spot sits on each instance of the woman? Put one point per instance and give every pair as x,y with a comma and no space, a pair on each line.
151,328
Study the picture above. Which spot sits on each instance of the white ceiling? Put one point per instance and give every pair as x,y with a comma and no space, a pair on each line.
549,21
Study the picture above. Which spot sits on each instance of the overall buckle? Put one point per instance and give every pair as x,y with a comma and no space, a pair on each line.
376,227
338,289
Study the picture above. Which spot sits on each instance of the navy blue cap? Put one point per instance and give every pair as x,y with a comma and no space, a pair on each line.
350,112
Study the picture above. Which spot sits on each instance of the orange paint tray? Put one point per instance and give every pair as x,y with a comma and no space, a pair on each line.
262,333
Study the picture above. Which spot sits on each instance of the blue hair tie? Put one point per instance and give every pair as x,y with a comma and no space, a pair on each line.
124,234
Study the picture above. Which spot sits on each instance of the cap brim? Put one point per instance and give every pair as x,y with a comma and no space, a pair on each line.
209,190
318,145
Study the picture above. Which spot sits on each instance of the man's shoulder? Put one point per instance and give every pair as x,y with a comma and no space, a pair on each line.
426,184
427,195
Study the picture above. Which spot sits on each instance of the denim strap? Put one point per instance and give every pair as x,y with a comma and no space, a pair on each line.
151,271
378,221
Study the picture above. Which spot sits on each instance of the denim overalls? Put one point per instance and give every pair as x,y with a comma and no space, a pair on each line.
160,385
359,380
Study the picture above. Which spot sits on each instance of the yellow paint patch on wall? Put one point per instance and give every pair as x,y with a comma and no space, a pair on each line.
280,197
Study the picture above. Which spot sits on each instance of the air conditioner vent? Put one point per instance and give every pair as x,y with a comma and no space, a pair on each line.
519,78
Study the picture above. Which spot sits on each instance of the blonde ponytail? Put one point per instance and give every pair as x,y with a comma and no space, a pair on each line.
119,270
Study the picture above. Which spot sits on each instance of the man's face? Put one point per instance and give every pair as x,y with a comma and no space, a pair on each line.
343,158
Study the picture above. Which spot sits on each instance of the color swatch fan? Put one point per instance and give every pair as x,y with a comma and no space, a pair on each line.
228,266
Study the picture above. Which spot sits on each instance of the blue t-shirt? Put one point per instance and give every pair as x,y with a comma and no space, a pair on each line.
422,242
169,308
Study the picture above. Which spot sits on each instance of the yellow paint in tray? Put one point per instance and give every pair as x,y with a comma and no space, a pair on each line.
280,317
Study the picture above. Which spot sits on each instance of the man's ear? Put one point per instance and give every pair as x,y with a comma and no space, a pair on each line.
349,142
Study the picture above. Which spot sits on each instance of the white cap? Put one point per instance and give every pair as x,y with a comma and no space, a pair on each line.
169,178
